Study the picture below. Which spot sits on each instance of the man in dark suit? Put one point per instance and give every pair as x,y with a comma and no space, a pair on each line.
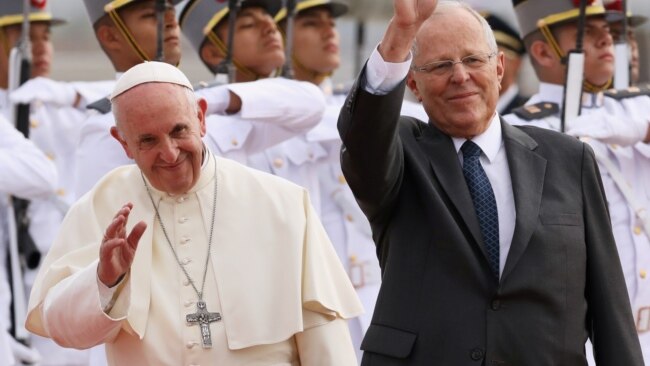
494,241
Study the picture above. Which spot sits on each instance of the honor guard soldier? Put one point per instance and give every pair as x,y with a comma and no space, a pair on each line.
616,128
272,109
312,160
54,124
26,173
126,30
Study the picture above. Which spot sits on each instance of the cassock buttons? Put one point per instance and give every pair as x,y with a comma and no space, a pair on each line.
643,274
637,230
185,240
182,220
186,282
342,179
60,192
33,123
476,354
234,142
181,199
50,156
188,303
278,162
187,260
349,218
190,344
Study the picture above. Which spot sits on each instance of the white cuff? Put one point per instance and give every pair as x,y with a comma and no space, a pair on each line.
107,295
381,76
218,98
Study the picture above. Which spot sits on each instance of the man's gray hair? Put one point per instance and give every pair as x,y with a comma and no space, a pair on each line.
489,34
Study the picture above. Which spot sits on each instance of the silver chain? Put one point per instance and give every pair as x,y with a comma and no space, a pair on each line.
162,226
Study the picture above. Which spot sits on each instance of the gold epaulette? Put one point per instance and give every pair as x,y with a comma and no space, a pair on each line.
631,92
536,111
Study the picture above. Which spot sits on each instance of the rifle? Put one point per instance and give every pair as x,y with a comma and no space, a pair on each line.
621,55
227,66
22,249
575,60
161,8
287,69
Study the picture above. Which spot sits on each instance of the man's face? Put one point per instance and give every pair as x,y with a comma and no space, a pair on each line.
257,41
140,18
617,33
462,102
316,41
42,51
161,131
598,48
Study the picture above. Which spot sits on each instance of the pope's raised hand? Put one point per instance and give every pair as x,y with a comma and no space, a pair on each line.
117,250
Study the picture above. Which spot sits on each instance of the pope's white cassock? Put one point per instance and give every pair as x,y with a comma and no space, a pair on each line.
273,275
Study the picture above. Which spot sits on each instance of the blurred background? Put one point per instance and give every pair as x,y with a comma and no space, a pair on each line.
78,56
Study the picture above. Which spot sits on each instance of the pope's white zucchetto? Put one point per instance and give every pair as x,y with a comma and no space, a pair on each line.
150,72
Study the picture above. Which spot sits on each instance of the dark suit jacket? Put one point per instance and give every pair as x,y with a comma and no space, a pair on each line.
438,303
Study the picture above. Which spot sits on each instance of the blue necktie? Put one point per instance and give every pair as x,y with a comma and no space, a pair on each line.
484,202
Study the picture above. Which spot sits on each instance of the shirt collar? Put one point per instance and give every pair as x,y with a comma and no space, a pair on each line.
489,141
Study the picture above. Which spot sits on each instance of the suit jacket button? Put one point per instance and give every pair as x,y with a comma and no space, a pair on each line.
495,305
477,354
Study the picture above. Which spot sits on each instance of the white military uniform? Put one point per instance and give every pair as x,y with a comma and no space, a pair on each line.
55,130
633,162
26,173
273,275
272,110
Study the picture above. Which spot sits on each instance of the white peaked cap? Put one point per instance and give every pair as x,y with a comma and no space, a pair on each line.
150,72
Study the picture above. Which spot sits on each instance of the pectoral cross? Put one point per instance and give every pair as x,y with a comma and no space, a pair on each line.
203,318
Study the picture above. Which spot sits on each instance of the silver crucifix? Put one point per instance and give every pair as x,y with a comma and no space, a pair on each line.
203,318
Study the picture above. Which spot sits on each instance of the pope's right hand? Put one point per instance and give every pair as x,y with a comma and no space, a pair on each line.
117,250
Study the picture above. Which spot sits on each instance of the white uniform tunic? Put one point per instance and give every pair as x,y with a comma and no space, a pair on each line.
272,110
633,162
24,172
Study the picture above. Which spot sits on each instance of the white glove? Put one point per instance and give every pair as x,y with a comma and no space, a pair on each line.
45,90
610,129
218,98
22,353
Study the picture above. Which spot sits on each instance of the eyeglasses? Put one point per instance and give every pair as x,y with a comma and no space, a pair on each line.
445,67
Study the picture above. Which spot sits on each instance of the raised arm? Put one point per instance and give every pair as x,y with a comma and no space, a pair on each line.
372,157
276,109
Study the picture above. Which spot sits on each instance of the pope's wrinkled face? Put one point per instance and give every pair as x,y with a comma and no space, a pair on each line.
461,99
160,128
598,48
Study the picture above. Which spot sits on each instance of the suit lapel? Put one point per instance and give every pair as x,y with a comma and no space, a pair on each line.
447,170
527,170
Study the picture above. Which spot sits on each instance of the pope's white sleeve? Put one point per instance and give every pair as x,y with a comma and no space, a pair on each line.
26,171
72,313
276,109
326,344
